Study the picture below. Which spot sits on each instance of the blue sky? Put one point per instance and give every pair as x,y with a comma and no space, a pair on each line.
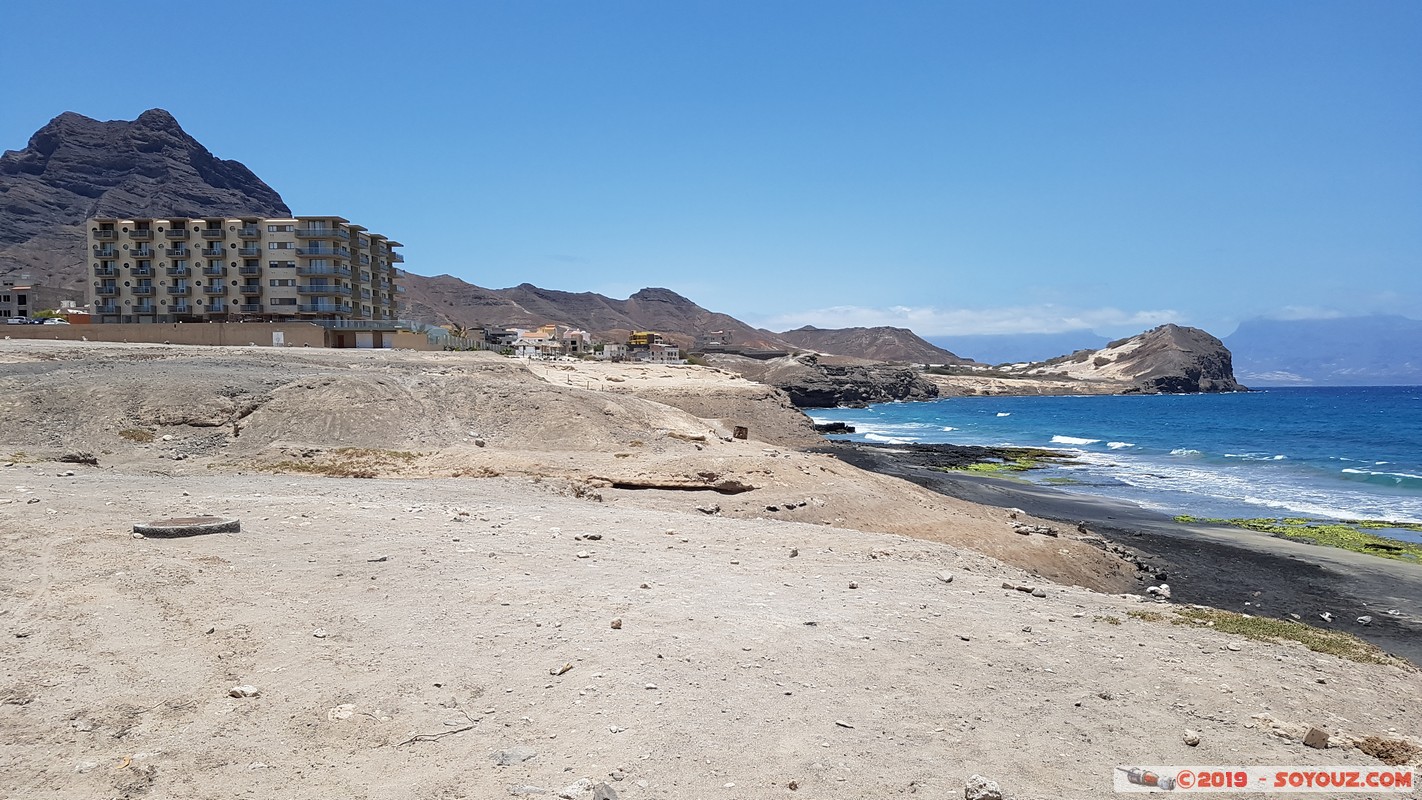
956,167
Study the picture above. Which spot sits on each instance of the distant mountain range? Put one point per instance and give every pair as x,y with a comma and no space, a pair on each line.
1347,351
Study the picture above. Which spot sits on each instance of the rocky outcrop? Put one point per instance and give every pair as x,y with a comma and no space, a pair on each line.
1169,359
75,168
883,343
814,381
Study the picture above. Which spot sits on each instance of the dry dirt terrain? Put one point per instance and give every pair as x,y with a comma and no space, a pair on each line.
457,578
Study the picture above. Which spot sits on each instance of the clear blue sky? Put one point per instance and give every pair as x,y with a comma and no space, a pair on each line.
958,167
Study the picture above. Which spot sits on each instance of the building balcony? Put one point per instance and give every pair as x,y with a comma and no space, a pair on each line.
213,233
249,252
214,288
323,308
397,258
145,308
218,308
105,236
364,260
320,288
176,233
106,272
179,272
214,272
107,290
213,252
322,233
310,252
250,308
141,252
181,308
141,272
141,235
249,232
143,291
250,288
249,270
106,308
180,289
180,252
109,253
309,270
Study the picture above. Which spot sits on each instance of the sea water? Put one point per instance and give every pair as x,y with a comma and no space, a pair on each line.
1326,453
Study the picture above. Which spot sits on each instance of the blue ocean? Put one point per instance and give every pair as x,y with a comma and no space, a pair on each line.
1327,453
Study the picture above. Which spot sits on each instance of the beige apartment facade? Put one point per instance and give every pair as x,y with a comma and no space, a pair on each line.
257,269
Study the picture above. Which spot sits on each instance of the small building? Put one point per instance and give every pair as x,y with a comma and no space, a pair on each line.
22,297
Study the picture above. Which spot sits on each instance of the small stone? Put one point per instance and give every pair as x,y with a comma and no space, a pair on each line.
794,552
1007,585
243,691
1038,592
853,585
574,791
517,755
1232,646
583,554
617,624
1326,617
212,629
1316,738
1365,620
1192,738
979,788
645,586
650,686
67,474
945,576
604,792
319,633
522,790
615,729
592,537
841,723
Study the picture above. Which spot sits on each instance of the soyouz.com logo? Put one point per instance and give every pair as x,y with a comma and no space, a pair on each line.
1401,780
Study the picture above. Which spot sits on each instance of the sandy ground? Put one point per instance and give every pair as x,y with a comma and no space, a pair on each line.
404,634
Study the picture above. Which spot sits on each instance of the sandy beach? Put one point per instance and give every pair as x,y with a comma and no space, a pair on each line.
456,578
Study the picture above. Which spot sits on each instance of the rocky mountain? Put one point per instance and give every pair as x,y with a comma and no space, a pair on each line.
815,381
883,343
445,299
1169,359
1348,351
76,167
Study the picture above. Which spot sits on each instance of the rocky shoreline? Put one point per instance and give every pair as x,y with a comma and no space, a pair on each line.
1210,565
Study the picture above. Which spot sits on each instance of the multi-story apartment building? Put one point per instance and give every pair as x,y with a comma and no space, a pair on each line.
241,268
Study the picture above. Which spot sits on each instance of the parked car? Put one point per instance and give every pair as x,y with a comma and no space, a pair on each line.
17,321
56,321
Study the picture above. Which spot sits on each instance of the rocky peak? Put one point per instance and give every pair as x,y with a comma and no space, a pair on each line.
76,167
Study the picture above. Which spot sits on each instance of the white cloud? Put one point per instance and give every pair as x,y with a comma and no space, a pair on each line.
930,321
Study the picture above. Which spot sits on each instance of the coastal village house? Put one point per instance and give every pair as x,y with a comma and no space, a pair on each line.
258,269
26,298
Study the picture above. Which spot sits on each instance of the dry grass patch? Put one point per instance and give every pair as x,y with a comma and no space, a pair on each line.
1266,629
1393,752
139,435
349,462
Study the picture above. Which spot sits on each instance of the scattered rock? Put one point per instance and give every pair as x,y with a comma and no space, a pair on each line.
853,585
1316,738
979,788
1192,738
516,755
377,559
1233,646
1326,617
574,791
1365,620
583,554
319,633
80,457
615,729
617,624
945,576
604,792
1162,591
711,509
1039,592
243,691
841,723
560,670
592,537
524,790
794,552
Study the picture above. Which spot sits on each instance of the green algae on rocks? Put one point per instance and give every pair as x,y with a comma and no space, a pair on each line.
1352,535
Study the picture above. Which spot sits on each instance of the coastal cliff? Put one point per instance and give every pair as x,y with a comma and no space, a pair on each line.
1169,359
814,381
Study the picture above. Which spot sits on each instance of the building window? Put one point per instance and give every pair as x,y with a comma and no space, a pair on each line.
281,245
280,228
282,301
282,282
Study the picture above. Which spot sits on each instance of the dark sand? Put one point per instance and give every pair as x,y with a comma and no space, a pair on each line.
1212,565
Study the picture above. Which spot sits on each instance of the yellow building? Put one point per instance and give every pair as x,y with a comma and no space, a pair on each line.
241,268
